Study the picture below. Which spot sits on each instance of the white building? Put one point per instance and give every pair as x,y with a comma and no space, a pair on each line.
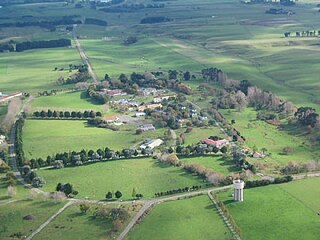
152,143
140,114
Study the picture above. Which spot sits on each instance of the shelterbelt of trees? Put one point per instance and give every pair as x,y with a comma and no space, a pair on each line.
22,46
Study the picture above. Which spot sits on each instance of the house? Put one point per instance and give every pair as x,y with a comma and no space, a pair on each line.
2,139
140,114
159,99
152,143
257,155
151,106
146,127
148,91
219,143
110,119
114,92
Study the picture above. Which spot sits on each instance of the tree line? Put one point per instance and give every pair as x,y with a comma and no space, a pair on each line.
78,158
125,8
43,44
66,114
95,21
50,25
179,190
264,182
18,143
154,19
307,33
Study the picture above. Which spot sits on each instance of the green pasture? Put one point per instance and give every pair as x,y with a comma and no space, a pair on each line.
215,163
73,224
263,135
194,218
21,191
11,217
287,211
33,70
198,134
46,137
145,175
68,100
114,58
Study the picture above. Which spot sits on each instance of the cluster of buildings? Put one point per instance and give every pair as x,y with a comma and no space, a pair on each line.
146,127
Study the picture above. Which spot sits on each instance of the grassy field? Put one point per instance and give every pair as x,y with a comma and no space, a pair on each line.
200,133
278,211
113,57
46,137
73,224
21,191
264,135
145,175
11,217
19,73
215,163
194,218
68,100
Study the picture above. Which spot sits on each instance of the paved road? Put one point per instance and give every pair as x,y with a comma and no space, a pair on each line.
84,57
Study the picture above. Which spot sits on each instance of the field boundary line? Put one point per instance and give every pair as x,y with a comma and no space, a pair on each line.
224,218
53,217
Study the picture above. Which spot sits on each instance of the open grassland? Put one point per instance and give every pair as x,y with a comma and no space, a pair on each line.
46,137
198,134
21,191
264,135
277,211
68,100
215,163
12,222
72,224
307,191
194,218
114,58
145,175
33,70
3,111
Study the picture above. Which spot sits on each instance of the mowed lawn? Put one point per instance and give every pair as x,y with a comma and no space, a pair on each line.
145,175
46,137
12,222
194,218
263,135
287,211
215,163
33,70
68,100
72,224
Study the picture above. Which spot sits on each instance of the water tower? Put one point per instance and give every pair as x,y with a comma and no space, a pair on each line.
238,186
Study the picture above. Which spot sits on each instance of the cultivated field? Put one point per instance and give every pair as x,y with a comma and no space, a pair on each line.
194,218
278,211
145,175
